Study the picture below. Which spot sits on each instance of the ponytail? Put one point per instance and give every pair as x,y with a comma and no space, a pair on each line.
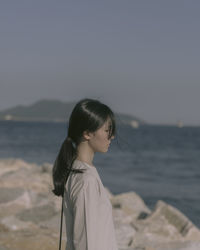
63,165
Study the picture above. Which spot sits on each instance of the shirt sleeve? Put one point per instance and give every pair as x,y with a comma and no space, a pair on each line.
86,219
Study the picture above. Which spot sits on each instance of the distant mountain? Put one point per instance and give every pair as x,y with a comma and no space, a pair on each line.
54,110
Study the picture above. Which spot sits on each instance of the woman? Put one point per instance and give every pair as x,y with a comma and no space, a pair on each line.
87,208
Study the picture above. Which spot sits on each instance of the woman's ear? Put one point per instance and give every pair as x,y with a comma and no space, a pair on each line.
87,135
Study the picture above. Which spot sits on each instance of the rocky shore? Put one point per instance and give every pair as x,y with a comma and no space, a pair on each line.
30,215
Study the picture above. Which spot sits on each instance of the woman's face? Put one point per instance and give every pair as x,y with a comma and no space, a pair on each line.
99,141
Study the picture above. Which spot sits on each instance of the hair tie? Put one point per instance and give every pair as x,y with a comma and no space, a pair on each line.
70,140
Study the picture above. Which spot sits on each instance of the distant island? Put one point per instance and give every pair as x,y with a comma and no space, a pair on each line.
56,111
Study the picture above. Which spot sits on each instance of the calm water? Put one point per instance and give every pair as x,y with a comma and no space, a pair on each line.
157,162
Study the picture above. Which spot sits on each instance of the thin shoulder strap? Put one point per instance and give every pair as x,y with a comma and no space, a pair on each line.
61,219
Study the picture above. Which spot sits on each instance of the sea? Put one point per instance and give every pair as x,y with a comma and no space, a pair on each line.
157,162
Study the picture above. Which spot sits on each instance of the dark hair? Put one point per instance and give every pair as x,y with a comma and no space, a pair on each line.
87,115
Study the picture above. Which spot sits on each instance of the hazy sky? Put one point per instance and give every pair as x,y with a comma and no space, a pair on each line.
139,56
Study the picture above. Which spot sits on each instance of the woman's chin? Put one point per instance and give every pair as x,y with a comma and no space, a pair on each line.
106,150
103,150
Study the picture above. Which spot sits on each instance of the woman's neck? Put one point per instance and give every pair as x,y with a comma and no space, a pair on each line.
85,153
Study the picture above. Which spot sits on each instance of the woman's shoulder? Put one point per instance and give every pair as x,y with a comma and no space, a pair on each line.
83,179
88,174
79,181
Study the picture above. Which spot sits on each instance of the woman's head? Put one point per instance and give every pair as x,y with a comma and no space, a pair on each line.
99,140
90,121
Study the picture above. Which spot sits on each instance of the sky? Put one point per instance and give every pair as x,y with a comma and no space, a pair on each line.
140,57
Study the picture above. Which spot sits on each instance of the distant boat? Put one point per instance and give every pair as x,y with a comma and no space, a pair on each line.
179,124
134,124
8,117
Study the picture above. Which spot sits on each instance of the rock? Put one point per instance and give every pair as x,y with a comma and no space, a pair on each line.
119,216
3,248
19,202
124,234
174,217
165,226
46,168
37,214
31,239
13,223
130,203
10,194
193,234
188,245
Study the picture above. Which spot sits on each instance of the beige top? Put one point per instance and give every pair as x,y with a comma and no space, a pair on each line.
88,211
